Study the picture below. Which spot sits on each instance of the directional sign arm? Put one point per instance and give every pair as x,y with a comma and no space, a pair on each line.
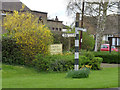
69,35
80,29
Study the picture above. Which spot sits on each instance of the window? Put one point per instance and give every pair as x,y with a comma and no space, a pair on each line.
53,28
118,41
112,46
56,28
60,29
104,46
109,36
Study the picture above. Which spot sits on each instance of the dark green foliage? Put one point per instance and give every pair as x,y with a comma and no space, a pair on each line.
64,62
88,41
53,62
112,57
89,54
11,53
95,62
84,60
58,39
82,73
88,58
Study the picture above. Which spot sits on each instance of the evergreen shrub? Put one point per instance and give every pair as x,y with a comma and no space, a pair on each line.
53,62
95,63
11,53
82,73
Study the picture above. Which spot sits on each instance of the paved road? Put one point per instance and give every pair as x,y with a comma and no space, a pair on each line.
109,89
109,65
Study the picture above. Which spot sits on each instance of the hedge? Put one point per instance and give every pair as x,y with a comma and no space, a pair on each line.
63,62
113,57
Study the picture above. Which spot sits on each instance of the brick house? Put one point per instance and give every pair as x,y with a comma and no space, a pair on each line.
11,5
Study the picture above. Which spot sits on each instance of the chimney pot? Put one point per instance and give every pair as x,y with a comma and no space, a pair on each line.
56,19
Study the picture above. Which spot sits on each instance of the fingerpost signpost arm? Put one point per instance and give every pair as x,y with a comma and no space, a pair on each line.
76,66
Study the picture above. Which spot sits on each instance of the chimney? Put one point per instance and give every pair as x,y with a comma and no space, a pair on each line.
56,19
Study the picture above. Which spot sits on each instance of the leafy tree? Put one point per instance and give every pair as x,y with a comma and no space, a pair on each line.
88,41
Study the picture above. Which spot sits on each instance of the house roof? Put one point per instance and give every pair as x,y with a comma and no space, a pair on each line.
53,20
9,0
38,11
111,26
11,5
90,23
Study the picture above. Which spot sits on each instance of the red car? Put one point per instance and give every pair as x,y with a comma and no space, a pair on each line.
105,47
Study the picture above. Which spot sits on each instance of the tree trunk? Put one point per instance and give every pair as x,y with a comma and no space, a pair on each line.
69,43
101,26
97,31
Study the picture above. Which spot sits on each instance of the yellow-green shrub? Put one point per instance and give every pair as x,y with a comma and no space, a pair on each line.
32,37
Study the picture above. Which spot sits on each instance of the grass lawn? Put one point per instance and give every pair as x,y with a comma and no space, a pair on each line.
21,77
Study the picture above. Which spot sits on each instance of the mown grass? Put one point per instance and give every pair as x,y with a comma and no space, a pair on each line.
22,77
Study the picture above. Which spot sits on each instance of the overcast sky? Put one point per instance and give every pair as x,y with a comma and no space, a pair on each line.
52,7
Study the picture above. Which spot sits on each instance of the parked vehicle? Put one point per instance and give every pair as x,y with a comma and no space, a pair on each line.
106,47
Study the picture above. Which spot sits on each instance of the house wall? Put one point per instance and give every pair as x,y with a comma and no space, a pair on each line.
3,29
55,25
42,14
105,37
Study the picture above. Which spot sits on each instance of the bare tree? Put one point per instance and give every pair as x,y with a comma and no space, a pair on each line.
94,9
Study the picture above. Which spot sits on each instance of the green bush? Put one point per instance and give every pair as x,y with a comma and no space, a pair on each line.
112,57
83,73
63,62
11,53
88,58
89,54
53,62
95,62
88,41
83,60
